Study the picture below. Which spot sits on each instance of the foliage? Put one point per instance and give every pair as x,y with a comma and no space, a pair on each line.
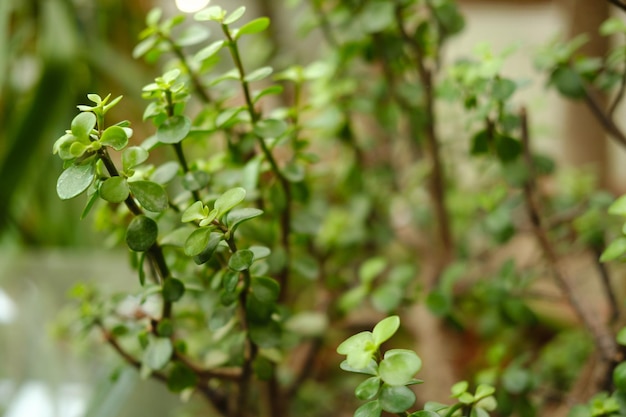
270,211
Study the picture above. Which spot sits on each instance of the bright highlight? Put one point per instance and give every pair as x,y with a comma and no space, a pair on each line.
191,6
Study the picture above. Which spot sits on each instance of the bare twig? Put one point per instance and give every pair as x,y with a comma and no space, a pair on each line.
437,179
618,3
604,118
602,337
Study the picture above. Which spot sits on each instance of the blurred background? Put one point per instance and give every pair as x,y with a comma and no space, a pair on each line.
54,52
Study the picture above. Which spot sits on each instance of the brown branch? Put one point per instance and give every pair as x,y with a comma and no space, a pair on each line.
618,3
604,118
601,335
437,178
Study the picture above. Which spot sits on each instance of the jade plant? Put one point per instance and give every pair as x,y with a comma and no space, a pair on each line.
270,213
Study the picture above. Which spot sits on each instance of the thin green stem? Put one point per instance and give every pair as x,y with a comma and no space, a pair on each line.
285,221
195,79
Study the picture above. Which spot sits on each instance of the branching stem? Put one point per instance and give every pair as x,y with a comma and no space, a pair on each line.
602,337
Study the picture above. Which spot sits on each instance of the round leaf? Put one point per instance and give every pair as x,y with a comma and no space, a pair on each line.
114,189
173,290
115,137
74,180
270,128
396,399
399,366
197,241
174,129
181,378
370,409
133,156
150,195
209,51
83,124
385,329
265,289
142,233
158,353
241,260
368,389
568,82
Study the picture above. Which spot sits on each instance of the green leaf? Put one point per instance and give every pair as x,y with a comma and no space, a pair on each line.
270,128
196,211
396,399
193,35
234,16
459,388
142,233
197,241
214,239
368,389
399,366
158,353
173,290
150,195
621,336
568,82
258,74
114,189
253,26
115,137
619,376
615,250
215,13
516,380
484,391
612,26
83,124
74,180
238,216
618,207
208,51
181,378
144,46
507,148
370,409
241,260
174,129
385,329
265,289
480,143
503,89
370,369
424,413
165,173
273,89
359,350
371,268
133,156
228,200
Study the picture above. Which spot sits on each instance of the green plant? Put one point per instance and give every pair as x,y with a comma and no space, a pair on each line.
271,211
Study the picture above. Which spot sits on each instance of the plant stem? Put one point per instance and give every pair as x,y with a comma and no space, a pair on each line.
285,221
155,252
602,337
195,80
605,119
437,178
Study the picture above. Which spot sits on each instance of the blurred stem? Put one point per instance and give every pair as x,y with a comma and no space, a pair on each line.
437,177
619,4
601,335
604,118
195,79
